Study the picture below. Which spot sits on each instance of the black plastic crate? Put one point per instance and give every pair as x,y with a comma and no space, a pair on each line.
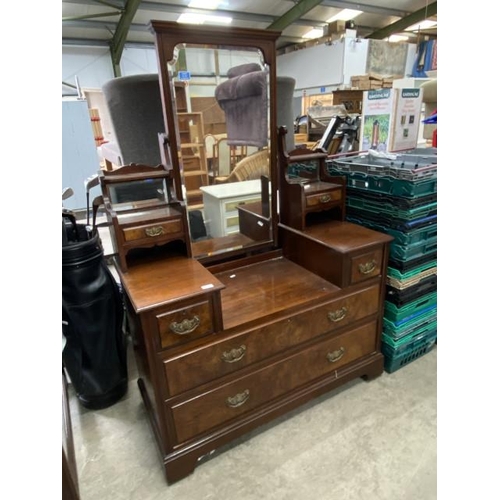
404,267
402,297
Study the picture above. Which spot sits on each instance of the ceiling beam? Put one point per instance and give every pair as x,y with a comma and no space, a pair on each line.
119,38
369,9
296,12
417,16
90,16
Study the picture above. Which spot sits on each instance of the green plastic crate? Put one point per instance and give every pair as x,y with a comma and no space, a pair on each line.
398,344
408,327
400,315
391,210
387,185
396,274
413,251
411,352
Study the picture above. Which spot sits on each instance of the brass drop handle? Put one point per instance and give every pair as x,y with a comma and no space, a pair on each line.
234,355
325,198
338,315
368,267
185,326
334,356
238,399
154,231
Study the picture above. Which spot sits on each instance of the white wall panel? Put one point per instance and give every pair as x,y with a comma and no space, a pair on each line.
316,66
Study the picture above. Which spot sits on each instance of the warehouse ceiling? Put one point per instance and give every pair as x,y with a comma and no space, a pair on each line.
119,23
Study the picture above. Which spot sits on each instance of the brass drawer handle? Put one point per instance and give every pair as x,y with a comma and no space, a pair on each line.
368,267
238,400
185,326
235,354
337,315
334,356
325,198
154,231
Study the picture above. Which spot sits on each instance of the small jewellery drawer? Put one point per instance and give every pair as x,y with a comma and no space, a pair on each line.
221,404
203,364
323,199
152,231
184,324
366,265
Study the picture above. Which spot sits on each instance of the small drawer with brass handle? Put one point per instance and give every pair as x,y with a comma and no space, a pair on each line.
149,231
317,200
184,324
366,266
154,231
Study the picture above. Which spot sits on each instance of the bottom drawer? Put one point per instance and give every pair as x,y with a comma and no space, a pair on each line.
224,403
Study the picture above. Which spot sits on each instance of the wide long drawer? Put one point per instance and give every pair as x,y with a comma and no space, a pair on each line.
221,404
203,364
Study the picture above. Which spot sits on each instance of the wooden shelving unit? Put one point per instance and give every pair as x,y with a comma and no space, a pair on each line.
194,158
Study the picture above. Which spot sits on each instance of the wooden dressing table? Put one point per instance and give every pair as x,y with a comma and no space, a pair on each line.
230,340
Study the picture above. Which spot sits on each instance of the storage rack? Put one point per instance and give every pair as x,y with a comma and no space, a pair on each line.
397,194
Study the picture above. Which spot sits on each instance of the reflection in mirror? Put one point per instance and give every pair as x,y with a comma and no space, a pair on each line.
222,107
139,193
302,171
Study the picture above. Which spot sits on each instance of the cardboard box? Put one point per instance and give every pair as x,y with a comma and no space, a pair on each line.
333,28
376,120
407,116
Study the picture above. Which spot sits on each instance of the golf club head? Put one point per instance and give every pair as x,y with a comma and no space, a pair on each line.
91,182
67,192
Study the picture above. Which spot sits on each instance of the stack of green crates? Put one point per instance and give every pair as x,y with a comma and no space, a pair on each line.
397,194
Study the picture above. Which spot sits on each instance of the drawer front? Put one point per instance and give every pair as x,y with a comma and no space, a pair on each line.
185,324
232,206
232,222
225,403
324,199
227,356
366,266
152,231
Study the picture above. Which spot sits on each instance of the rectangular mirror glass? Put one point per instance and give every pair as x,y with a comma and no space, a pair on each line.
221,98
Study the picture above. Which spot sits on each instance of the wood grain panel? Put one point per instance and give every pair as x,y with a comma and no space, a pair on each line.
223,356
227,402
266,288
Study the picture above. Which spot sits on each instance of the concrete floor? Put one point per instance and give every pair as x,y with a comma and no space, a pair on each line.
365,441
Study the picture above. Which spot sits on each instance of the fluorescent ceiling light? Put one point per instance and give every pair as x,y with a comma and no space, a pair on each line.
345,15
204,4
191,18
397,38
203,18
422,25
314,33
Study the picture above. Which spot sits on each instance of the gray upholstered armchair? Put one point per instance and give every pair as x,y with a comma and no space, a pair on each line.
135,109
243,97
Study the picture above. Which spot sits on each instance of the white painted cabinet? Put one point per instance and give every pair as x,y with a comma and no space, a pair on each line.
220,202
